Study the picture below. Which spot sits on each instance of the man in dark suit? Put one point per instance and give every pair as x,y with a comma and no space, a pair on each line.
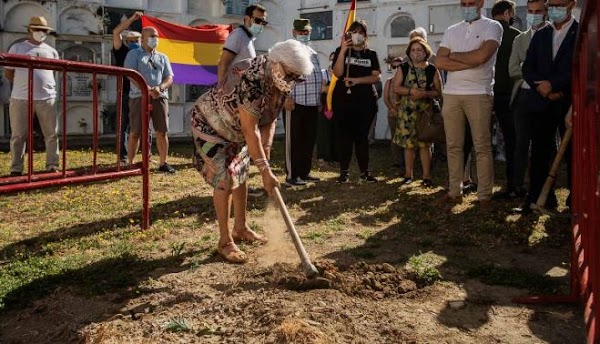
547,68
504,12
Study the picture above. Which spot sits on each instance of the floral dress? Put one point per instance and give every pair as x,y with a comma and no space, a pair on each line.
220,152
406,130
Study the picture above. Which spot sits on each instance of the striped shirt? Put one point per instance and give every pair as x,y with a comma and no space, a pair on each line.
308,93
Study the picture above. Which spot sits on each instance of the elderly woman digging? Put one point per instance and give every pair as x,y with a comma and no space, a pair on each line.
237,124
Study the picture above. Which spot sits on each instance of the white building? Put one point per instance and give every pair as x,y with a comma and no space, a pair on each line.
84,34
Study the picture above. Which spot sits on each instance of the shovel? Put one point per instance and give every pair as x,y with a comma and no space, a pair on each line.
541,201
309,269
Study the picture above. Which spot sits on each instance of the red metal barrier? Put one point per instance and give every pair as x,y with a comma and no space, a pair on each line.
35,180
585,191
586,169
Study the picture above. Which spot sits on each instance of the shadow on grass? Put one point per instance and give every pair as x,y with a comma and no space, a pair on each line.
116,280
475,248
199,205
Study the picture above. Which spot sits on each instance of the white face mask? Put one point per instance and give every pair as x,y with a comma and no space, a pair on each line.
152,42
39,36
358,38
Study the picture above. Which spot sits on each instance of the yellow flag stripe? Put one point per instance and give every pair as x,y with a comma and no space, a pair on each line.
191,53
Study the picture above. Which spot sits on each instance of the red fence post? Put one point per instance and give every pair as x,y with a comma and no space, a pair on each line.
68,177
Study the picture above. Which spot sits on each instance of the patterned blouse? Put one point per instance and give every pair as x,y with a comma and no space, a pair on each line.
254,92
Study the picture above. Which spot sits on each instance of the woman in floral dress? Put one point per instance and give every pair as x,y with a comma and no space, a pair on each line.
416,91
237,125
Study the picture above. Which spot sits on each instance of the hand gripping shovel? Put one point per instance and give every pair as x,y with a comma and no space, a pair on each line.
309,269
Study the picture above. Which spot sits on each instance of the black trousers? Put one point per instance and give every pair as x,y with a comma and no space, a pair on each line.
544,145
352,124
300,135
325,136
506,120
523,132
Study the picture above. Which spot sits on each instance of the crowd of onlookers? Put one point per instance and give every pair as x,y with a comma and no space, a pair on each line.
484,71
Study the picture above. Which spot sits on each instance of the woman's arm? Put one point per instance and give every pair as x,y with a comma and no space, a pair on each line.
398,83
368,80
252,135
386,95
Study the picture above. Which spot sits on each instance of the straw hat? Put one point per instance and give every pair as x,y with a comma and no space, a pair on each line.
39,23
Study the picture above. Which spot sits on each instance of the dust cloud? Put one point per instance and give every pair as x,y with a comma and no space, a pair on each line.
280,248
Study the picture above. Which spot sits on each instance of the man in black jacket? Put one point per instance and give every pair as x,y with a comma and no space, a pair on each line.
547,68
504,12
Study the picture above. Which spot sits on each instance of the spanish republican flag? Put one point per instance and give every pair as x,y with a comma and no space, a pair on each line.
194,52
351,18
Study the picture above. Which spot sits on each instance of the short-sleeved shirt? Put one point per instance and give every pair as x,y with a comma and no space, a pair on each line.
254,92
362,63
120,55
463,37
154,67
44,85
308,93
240,42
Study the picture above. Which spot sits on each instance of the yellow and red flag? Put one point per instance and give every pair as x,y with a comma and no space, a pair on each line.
194,52
351,18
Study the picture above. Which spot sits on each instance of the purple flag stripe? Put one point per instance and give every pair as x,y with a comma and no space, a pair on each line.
194,74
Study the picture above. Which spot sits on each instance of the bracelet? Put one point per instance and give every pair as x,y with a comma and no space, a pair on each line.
261,164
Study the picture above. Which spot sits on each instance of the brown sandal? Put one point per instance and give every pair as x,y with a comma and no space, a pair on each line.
232,253
249,236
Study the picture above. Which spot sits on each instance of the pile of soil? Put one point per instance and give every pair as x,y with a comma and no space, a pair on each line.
376,281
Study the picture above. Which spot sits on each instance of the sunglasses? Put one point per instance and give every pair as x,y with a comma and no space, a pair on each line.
38,30
260,21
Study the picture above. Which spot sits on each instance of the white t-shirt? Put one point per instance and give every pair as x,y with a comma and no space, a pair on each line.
44,85
241,43
463,37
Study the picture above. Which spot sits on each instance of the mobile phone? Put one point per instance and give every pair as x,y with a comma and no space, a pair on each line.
347,36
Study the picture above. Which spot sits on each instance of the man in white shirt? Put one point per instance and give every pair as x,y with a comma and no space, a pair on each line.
468,52
240,42
44,98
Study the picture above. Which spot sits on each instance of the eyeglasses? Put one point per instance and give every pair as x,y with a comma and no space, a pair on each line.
260,21
38,30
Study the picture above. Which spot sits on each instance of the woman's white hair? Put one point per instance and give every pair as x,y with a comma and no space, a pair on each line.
294,56
418,32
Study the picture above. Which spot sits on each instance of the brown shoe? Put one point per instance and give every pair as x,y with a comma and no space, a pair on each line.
448,200
485,205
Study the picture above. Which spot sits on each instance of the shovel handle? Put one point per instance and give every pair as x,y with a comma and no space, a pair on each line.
309,268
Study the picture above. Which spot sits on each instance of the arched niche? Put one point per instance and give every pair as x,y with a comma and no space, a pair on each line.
18,17
401,25
79,53
198,22
79,21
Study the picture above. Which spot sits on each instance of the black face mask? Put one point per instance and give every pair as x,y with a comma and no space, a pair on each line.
511,21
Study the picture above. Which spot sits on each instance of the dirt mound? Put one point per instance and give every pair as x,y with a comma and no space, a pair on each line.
367,280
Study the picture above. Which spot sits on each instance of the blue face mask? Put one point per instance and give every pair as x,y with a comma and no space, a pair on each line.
152,42
133,45
470,13
557,14
255,29
303,38
534,20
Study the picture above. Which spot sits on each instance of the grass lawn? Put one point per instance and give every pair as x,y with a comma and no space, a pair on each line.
79,250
